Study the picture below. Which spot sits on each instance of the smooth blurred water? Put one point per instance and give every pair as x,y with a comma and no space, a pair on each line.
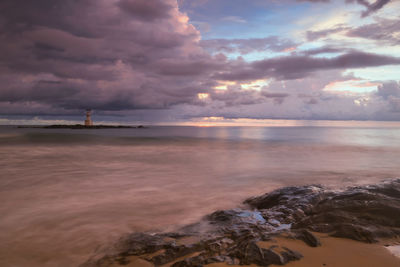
65,193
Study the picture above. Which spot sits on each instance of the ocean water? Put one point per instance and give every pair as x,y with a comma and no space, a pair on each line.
65,194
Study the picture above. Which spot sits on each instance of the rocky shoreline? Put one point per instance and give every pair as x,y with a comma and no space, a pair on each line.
363,213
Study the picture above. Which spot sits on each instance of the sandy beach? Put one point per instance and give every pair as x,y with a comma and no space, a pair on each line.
338,252
306,226
334,252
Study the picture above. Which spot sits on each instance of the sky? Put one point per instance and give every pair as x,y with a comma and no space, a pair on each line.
193,61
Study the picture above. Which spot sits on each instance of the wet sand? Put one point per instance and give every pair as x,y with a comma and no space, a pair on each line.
338,252
334,252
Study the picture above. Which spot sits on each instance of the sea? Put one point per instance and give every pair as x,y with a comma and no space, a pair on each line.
68,194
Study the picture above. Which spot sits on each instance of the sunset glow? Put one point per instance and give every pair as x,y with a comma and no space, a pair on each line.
165,61
193,133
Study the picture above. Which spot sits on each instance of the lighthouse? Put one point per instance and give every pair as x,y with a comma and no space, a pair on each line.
88,121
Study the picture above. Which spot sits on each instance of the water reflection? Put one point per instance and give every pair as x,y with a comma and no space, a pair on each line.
64,193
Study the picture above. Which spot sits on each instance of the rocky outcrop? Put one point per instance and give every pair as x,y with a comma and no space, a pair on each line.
80,126
363,213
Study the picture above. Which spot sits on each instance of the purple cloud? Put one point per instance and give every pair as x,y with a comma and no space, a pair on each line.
107,55
245,46
325,50
387,30
129,55
371,7
390,91
147,10
315,35
295,67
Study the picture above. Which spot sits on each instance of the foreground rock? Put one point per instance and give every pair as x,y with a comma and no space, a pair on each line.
365,213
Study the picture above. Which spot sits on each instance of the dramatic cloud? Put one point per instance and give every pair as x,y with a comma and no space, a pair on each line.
390,91
245,46
148,60
387,30
315,35
146,10
109,55
325,50
303,99
295,67
371,7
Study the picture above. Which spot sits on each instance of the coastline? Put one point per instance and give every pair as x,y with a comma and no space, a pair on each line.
80,126
298,226
334,252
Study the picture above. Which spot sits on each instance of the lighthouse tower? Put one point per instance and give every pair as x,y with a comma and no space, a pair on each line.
88,121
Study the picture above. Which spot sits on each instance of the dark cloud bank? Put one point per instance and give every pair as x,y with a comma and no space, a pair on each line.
59,57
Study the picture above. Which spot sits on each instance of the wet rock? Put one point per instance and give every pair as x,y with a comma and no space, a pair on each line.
308,238
226,259
291,255
354,232
363,213
253,254
288,196
141,243
173,252
222,216
360,213
190,262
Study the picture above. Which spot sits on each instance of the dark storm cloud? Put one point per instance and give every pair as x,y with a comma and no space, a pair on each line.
295,67
145,9
245,46
193,67
238,97
104,54
22,15
43,91
117,55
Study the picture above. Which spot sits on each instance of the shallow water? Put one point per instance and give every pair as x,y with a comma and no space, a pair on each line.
65,193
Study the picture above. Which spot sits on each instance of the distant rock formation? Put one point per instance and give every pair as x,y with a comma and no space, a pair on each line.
80,126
